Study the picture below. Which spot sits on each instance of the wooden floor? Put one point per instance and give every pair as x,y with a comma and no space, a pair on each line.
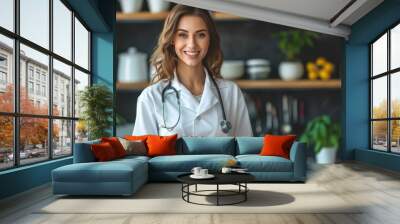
377,188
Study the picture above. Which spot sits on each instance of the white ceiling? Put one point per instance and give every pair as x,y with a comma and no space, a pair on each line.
319,9
316,15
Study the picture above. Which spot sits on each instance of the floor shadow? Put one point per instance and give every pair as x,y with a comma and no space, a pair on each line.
255,198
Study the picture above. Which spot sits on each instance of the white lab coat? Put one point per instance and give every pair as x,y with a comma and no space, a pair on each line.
197,118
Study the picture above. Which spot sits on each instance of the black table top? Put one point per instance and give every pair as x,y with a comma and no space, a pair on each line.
220,178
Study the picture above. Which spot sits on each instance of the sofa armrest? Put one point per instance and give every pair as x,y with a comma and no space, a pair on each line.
298,157
83,152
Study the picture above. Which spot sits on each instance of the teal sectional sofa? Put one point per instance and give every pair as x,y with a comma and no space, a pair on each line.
125,176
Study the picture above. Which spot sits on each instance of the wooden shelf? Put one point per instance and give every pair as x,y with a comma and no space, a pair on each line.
147,16
260,84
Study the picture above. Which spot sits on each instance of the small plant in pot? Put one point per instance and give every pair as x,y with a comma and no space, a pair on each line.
291,43
324,135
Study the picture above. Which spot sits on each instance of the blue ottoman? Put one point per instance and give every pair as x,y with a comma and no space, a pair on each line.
118,177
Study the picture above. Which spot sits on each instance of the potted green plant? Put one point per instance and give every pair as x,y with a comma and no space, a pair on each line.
324,135
291,43
96,104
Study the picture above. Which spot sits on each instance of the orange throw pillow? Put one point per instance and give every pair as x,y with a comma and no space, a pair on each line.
137,137
161,145
277,145
116,145
103,151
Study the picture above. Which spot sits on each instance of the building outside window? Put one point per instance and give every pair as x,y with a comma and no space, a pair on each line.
59,134
385,91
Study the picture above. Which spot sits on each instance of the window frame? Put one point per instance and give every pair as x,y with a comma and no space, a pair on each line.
16,114
388,74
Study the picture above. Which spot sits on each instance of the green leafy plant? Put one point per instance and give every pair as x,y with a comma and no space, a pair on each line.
291,42
96,104
322,132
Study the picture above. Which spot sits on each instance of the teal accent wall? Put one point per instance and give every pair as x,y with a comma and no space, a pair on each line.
24,178
356,85
99,15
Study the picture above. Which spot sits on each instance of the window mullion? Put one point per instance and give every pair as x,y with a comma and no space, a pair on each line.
16,83
388,94
73,82
50,79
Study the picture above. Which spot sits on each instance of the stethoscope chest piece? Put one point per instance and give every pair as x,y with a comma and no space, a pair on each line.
226,126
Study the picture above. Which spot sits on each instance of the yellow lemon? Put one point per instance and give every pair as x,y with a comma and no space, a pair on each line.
312,75
321,61
328,67
324,75
311,67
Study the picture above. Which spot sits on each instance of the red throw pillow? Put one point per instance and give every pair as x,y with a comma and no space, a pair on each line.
277,145
103,151
116,145
161,145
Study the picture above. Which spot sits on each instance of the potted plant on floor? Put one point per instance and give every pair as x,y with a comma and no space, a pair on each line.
324,135
291,43
96,104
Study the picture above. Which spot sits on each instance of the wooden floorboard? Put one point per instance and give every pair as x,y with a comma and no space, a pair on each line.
377,190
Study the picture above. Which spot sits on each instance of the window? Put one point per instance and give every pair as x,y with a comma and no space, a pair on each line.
3,61
385,94
37,75
38,89
43,77
44,91
30,72
39,81
3,78
30,87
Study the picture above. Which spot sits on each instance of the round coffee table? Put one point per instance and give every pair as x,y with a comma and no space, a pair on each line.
238,179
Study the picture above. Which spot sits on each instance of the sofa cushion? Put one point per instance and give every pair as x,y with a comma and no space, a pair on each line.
161,145
257,163
249,145
116,145
134,147
83,152
185,163
277,145
206,145
103,151
111,171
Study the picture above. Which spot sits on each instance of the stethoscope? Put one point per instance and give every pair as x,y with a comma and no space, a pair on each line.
225,124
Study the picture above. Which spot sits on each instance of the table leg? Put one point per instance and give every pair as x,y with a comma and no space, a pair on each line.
196,188
217,194
245,193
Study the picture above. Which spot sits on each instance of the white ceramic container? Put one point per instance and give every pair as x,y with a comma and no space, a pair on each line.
232,69
132,66
291,70
158,5
327,155
129,6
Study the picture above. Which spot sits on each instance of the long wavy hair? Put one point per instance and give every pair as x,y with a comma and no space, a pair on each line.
164,57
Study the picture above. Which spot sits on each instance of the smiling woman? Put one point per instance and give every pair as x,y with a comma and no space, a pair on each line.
188,94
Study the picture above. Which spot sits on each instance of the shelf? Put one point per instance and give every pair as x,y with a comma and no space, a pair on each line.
147,16
260,84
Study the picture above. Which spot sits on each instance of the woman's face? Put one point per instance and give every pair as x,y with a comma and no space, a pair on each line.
191,40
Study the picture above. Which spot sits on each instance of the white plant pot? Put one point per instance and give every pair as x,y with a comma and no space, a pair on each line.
158,5
327,155
129,6
291,70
